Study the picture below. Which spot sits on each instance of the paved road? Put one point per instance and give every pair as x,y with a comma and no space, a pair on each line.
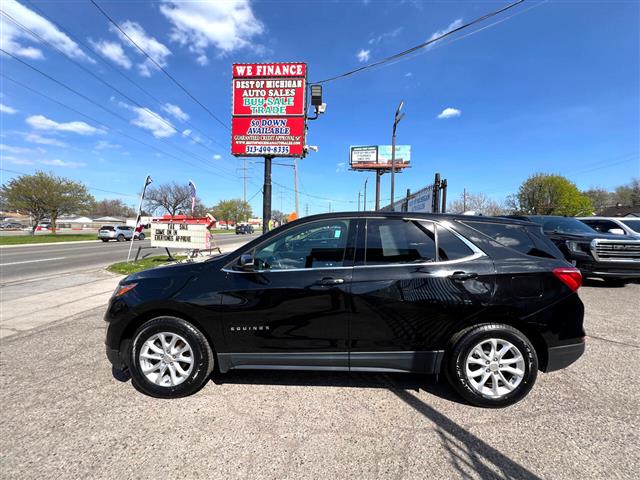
35,261
62,414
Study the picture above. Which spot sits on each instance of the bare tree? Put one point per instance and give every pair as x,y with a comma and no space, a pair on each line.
171,198
479,203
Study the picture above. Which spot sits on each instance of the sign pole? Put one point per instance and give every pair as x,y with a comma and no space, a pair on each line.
378,175
266,195
147,181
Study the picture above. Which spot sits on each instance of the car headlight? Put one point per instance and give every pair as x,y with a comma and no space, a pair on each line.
573,246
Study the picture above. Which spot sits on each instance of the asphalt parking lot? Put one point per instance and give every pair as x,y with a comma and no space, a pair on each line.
63,415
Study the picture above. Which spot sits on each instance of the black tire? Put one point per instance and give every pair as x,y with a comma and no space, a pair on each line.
203,359
120,238
462,344
105,239
141,237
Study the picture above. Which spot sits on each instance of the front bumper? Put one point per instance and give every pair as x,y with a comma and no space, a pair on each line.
563,356
115,359
609,269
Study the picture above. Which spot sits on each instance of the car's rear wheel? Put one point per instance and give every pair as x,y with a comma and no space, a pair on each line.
120,238
492,365
170,358
105,239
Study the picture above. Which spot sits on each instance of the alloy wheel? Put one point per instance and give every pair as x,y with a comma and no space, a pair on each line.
494,367
166,359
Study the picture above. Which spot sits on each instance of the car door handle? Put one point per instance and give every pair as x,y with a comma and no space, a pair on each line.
328,281
463,276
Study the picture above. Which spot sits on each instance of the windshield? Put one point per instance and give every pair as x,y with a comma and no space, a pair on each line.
633,224
564,225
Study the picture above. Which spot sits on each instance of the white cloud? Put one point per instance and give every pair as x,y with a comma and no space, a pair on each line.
226,26
103,144
113,51
39,139
363,55
175,111
385,36
453,25
7,109
17,161
40,122
186,133
12,149
12,37
450,112
408,74
217,156
156,50
62,163
147,119
341,167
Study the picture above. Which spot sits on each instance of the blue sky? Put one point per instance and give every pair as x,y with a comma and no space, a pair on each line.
554,87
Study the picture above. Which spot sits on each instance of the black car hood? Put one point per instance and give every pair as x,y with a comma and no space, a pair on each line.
177,270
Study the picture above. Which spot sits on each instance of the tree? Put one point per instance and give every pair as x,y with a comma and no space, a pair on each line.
235,210
600,198
278,216
477,202
112,208
628,194
544,194
170,197
45,195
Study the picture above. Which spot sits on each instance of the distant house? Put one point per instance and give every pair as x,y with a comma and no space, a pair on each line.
111,220
620,211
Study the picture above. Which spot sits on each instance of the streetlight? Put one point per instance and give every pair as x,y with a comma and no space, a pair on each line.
396,120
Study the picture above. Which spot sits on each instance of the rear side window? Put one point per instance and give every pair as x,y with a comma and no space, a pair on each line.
107,227
399,241
450,247
528,240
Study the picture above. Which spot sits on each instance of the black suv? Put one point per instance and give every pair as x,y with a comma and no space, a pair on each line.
244,229
486,301
599,255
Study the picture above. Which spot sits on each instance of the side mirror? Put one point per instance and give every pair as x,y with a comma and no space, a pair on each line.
246,262
616,231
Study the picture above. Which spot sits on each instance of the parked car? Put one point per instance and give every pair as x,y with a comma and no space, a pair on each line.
487,302
598,255
11,226
119,233
616,226
244,229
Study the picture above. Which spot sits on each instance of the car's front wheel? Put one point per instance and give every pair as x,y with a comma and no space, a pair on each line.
492,365
170,358
120,238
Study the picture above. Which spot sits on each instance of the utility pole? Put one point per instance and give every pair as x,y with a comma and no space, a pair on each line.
306,209
365,194
295,183
266,195
396,120
358,201
244,176
464,200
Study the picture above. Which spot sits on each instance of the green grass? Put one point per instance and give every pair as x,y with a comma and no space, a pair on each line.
48,238
127,268
219,230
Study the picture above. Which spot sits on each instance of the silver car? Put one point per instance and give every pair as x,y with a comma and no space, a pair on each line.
119,233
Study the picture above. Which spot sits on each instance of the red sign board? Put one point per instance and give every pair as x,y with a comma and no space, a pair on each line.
268,136
269,109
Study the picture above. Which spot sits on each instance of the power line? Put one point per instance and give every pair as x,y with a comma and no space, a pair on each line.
111,112
108,85
160,66
114,68
420,46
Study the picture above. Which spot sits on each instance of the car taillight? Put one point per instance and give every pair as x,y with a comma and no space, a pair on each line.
571,277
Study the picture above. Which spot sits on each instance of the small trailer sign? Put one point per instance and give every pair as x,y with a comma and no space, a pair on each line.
180,235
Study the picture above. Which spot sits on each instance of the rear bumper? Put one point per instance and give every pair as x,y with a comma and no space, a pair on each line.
563,356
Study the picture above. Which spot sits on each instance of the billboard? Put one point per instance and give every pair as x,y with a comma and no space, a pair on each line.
378,157
269,107
421,201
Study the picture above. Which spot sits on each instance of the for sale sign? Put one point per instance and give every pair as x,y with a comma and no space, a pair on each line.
269,109
187,236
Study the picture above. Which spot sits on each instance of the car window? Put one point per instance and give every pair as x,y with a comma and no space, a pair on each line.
450,247
528,240
633,224
315,245
106,227
399,241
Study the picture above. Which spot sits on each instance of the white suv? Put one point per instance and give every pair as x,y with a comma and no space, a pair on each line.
119,233
629,226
